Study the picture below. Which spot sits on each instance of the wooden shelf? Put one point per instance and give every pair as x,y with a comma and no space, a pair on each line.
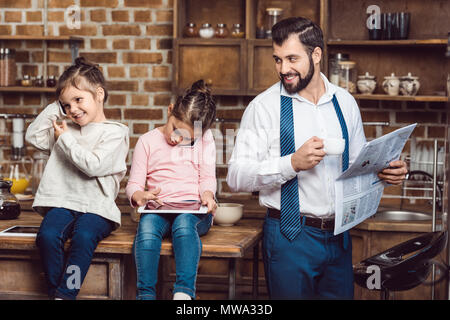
424,42
46,38
27,89
210,42
401,98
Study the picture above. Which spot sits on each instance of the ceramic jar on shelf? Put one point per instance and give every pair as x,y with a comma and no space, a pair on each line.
206,31
190,30
409,85
391,85
366,83
221,31
237,31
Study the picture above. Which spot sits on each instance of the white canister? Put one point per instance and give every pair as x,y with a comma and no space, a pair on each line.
409,85
206,31
366,83
391,85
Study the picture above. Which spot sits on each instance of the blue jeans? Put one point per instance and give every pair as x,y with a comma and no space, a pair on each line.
186,230
65,275
312,266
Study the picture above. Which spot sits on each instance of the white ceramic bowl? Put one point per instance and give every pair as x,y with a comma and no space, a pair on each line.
228,214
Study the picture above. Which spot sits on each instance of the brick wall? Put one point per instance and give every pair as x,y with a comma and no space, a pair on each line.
132,41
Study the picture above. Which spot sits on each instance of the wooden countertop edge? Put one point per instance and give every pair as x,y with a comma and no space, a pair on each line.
125,247
397,226
247,232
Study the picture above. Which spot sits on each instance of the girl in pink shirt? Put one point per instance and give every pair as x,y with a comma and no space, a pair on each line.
175,162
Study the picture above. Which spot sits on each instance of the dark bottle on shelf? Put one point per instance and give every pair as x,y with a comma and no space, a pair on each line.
51,82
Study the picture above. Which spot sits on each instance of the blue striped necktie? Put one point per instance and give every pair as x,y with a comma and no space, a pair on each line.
290,220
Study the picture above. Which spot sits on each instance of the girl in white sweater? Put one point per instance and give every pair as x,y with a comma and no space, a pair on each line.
82,177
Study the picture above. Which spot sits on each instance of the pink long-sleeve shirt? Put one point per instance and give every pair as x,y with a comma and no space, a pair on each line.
182,172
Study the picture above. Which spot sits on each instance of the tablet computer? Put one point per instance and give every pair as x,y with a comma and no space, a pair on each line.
20,231
187,206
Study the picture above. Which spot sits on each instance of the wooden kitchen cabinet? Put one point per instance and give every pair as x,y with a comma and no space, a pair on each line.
74,43
23,277
344,27
219,63
422,54
231,66
262,73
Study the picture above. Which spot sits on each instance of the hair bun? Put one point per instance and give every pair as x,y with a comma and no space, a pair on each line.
82,62
200,86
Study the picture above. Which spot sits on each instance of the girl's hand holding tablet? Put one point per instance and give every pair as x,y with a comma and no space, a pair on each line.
208,200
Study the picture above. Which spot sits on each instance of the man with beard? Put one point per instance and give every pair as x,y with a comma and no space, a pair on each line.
279,152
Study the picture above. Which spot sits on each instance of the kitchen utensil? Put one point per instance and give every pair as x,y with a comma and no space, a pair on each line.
273,15
423,158
37,170
334,68
441,159
333,146
206,31
419,158
8,69
366,83
387,26
228,214
9,206
430,160
403,24
409,85
237,31
190,30
391,85
222,31
347,79
16,172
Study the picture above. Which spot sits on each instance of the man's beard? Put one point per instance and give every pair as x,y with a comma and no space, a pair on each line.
302,82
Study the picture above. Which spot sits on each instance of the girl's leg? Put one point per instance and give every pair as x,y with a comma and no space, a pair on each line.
146,249
53,233
187,246
89,229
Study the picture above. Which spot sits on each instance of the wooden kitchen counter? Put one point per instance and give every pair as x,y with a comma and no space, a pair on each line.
220,241
20,253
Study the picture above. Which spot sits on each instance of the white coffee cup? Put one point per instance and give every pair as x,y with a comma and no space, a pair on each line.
333,146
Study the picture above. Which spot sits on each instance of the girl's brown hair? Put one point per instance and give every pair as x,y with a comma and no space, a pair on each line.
82,75
196,104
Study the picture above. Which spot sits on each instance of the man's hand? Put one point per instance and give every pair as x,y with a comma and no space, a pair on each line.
308,155
208,200
142,197
395,173
59,128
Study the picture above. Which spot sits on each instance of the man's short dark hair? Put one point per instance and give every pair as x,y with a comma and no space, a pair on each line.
309,33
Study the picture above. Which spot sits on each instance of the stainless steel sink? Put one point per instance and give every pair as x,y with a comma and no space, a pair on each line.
401,215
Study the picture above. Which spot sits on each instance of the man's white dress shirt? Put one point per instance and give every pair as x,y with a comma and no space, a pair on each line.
256,164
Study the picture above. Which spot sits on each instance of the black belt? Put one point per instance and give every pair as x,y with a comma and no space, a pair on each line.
324,224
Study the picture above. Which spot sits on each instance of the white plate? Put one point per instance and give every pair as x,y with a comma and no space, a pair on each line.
23,197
